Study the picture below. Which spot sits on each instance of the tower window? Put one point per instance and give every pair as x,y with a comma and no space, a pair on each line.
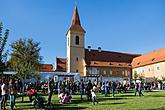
68,41
77,40
158,68
76,58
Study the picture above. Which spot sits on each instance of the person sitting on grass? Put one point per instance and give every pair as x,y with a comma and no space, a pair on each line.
38,102
60,96
66,98
32,92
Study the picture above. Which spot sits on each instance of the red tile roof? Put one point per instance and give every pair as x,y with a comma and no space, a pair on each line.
109,64
61,64
108,58
46,68
95,58
149,58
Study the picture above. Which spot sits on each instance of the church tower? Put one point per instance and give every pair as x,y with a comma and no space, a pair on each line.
75,46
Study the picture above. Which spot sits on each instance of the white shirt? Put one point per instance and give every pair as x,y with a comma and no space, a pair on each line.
93,94
3,89
60,96
94,88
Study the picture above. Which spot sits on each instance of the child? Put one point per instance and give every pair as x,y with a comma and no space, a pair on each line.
67,98
38,102
61,96
93,97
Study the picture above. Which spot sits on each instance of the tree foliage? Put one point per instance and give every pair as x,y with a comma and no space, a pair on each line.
3,53
135,75
141,76
25,58
163,78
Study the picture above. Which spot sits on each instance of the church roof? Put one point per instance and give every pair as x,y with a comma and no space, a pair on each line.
108,58
109,64
46,68
94,58
149,58
61,64
76,24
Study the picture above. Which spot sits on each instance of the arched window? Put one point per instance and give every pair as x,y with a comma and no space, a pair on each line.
77,40
76,58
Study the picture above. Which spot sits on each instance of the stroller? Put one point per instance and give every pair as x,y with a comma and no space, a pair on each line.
39,102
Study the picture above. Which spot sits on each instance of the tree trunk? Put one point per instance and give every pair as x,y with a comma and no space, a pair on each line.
22,90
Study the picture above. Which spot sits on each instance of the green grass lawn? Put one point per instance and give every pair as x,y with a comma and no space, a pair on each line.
151,101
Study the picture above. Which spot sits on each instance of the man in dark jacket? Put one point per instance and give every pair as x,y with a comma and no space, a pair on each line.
89,87
81,86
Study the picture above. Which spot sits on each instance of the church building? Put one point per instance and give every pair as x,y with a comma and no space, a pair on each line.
89,62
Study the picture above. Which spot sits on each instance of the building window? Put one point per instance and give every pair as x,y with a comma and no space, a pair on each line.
110,72
68,41
158,68
76,70
104,72
123,73
77,40
94,71
76,58
89,70
149,69
126,73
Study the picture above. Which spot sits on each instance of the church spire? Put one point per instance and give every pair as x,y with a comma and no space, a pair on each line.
76,19
75,24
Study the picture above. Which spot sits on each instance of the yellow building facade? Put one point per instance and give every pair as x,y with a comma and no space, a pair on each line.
107,64
150,65
75,46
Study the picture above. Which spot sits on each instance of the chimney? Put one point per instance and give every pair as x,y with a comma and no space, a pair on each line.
89,48
99,49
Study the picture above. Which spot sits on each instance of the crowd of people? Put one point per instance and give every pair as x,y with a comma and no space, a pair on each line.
65,89
9,88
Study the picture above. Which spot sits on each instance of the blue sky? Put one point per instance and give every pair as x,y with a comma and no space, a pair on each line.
132,26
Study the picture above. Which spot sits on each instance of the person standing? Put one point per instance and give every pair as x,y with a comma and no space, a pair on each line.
136,88
106,88
4,95
140,89
113,89
93,96
89,87
50,91
12,92
81,89
0,89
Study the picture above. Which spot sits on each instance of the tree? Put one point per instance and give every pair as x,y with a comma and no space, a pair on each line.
141,76
163,78
135,75
155,79
3,53
25,58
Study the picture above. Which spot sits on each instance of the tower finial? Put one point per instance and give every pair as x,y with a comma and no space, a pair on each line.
76,2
